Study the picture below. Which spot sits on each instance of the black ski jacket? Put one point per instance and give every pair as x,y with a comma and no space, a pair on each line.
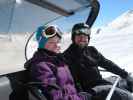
84,63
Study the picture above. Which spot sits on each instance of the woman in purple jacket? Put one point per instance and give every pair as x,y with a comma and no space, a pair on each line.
49,69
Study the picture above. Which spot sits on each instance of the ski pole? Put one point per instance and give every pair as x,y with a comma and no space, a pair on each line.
112,89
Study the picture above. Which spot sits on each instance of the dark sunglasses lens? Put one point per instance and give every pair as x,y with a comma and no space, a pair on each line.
50,30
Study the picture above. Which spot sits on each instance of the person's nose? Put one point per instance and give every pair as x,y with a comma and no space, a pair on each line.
82,38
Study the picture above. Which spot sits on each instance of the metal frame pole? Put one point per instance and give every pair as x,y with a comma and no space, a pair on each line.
112,89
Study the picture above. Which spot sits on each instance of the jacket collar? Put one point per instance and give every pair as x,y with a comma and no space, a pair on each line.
75,48
46,52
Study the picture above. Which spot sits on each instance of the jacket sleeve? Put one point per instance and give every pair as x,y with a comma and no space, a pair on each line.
111,66
42,73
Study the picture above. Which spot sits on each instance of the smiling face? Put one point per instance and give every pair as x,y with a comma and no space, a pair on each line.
53,44
81,40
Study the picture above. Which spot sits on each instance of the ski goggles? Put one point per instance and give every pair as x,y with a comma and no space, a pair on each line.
84,31
51,31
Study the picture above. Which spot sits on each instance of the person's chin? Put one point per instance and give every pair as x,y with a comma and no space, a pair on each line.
82,45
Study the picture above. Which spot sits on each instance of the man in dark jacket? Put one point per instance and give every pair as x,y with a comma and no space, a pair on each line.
84,60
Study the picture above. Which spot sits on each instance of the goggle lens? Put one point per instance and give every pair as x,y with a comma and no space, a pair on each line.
85,31
51,31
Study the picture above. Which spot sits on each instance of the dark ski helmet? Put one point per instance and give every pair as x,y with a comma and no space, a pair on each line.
80,28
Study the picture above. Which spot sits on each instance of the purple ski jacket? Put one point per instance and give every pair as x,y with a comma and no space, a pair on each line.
46,67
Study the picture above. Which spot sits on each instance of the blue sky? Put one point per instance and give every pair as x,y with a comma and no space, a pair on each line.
111,9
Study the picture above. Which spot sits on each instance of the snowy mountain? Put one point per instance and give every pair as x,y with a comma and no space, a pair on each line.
122,23
115,40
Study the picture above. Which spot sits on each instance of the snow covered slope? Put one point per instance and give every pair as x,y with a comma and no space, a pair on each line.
115,40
